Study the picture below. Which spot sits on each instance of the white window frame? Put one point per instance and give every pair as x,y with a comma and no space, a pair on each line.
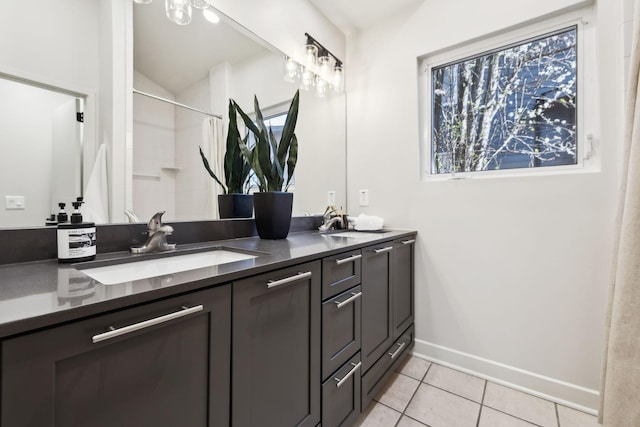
588,155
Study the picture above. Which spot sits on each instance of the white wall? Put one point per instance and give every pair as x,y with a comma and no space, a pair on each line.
154,128
26,123
511,272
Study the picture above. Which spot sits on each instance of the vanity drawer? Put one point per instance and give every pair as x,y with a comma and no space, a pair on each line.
377,376
341,272
341,395
340,329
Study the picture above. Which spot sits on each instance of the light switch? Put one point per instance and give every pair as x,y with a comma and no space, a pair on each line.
14,202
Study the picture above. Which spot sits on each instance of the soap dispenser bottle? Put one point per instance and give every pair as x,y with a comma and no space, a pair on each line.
62,215
76,239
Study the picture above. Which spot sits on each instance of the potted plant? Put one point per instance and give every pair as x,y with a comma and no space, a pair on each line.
273,162
235,202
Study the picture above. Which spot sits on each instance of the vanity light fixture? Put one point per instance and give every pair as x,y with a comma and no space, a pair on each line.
180,11
321,70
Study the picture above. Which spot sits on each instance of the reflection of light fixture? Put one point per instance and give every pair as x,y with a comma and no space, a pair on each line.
211,16
291,70
317,70
178,11
321,86
200,4
142,1
308,79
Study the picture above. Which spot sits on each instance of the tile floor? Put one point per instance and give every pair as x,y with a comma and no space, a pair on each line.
422,394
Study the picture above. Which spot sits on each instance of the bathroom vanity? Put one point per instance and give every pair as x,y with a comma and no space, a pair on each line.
304,333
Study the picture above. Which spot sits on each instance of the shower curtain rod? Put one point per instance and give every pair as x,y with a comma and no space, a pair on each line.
168,101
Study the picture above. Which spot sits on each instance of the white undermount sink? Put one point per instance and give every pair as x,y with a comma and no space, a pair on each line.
145,269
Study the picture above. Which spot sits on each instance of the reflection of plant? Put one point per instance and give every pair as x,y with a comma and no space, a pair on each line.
236,169
269,157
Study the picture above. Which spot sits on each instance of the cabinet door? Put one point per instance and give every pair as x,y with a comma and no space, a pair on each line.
377,331
403,279
340,329
164,364
276,348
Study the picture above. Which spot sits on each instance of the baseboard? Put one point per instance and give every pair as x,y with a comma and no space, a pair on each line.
564,393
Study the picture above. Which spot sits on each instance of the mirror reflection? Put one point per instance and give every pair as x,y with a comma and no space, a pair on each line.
149,159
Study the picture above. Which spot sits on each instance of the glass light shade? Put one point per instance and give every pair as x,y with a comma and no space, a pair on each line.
321,87
291,70
338,78
308,79
200,4
142,1
324,66
310,55
178,11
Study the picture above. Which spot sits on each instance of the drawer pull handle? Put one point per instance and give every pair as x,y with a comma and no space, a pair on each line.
299,276
354,296
387,249
356,366
408,242
398,350
349,259
113,332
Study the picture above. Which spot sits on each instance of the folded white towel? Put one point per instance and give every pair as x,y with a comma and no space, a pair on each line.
368,222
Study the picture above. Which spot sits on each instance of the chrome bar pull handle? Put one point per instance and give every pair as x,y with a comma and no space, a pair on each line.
408,242
116,332
356,366
398,350
299,276
354,296
349,259
381,250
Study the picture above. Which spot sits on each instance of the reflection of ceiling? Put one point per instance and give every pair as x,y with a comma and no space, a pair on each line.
353,15
176,56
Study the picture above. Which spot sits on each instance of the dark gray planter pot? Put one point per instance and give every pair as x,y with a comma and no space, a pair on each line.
235,205
273,214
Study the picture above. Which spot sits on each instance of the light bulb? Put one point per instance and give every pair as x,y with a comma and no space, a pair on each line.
211,16
178,11
310,55
324,65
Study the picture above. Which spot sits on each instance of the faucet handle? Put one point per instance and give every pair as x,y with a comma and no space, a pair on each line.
155,222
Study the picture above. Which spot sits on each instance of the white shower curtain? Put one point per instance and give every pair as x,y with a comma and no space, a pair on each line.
214,148
620,388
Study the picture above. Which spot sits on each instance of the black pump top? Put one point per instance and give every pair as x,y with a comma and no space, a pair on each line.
62,205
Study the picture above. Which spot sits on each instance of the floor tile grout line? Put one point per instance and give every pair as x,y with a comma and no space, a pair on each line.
484,391
513,416
557,414
455,394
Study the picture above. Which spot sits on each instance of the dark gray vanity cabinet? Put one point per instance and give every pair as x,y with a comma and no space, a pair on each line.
276,348
403,285
164,363
377,303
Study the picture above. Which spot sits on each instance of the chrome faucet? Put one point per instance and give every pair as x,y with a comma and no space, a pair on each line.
329,223
156,237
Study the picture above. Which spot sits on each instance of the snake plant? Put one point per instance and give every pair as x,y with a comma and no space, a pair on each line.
269,158
236,169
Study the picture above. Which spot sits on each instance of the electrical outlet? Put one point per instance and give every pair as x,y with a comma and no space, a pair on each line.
14,202
364,197
331,198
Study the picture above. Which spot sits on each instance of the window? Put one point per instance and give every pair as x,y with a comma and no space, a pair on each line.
512,107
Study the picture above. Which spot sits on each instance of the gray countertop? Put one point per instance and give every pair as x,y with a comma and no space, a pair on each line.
36,295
